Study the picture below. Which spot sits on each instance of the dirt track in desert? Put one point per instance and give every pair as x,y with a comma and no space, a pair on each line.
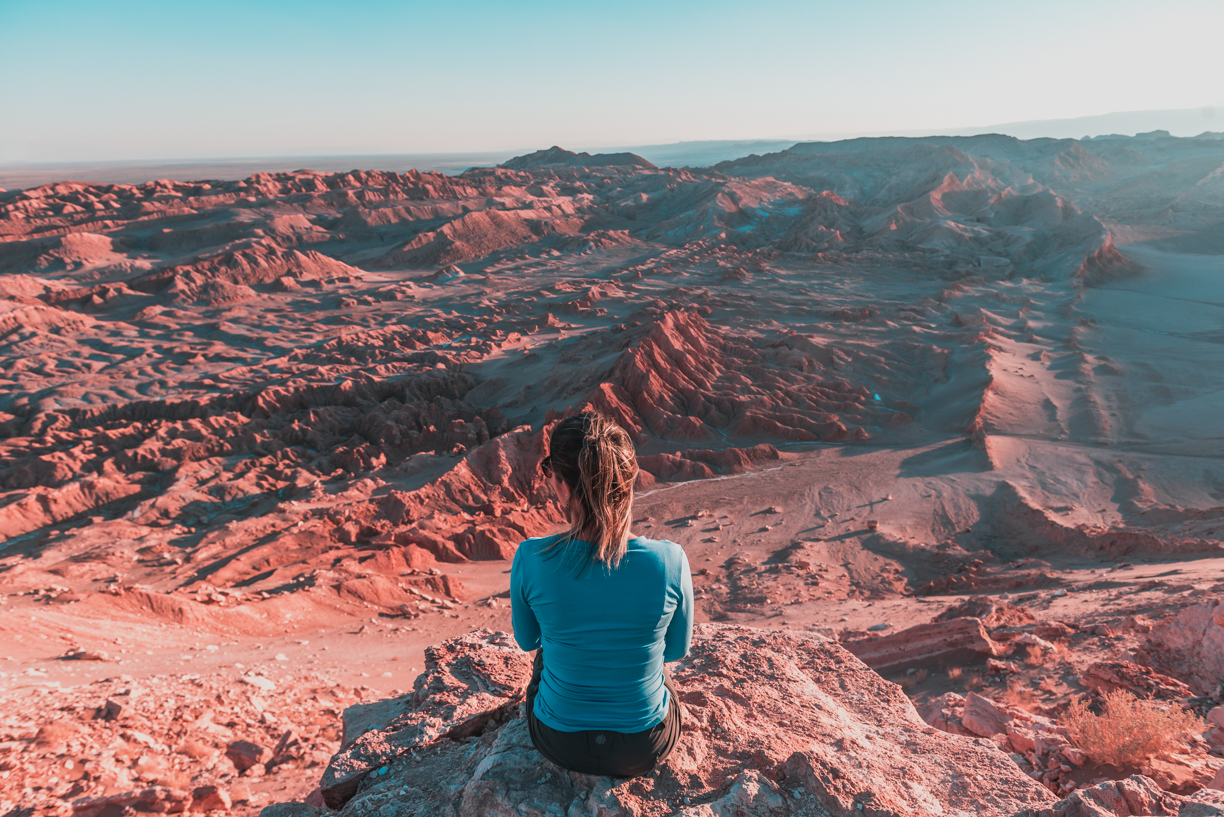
264,441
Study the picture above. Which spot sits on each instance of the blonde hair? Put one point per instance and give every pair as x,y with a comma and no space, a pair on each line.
595,458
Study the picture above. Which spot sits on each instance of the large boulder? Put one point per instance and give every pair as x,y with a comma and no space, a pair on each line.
985,717
244,754
1190,646
468,682
776,722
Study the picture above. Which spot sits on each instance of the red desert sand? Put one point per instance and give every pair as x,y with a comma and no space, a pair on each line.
938,422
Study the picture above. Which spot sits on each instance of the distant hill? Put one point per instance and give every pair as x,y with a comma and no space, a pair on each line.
1178,122
708,152
559,157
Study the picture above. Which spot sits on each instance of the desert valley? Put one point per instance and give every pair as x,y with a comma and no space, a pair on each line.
953,405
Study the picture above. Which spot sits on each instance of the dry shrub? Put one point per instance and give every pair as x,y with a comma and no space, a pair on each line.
149,768
975,681
955,673
1048,684
1019,696
56,733
1035,656
913,679
174,779
193,748
1129,730
124,750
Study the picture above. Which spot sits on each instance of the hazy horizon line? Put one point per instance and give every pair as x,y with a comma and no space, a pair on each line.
1208,112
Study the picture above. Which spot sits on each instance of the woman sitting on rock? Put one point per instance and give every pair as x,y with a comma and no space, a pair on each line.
603,610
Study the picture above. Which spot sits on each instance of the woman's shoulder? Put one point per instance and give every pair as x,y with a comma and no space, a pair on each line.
535,543
534,548
540,541
665,549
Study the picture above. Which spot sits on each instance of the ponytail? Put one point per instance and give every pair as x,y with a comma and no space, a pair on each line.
595,458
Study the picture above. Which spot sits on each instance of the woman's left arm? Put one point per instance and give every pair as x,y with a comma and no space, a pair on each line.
522,618
679,636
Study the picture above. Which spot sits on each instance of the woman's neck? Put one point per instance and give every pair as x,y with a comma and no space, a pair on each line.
584,535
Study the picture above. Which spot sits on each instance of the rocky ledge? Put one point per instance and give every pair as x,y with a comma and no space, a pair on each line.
775,723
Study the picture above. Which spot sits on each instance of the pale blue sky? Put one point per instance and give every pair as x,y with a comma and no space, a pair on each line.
88,80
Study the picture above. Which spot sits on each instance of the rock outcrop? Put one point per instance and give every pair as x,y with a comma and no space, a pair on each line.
469,682
1190,647
1038,745
950,641
1106,676
776,722
1135,795
992,612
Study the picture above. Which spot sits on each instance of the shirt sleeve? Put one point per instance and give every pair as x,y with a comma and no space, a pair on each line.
679,636
526,628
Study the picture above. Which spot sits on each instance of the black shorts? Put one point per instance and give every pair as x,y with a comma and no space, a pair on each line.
603,751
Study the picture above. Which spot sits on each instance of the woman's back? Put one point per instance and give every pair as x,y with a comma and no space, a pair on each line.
606,632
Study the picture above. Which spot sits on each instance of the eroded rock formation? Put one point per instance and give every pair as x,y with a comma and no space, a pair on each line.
857,374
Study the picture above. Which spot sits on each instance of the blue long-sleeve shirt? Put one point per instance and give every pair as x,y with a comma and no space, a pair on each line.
606,633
